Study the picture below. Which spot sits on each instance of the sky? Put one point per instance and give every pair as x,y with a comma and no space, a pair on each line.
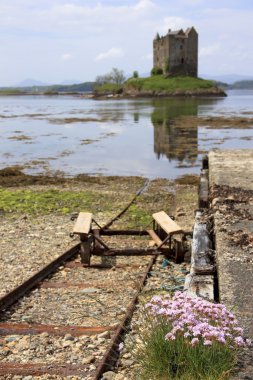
57,40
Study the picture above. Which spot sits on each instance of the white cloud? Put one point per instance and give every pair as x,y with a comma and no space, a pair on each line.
111,53
143,5
209,50
66,57
105,30
174,23
192,2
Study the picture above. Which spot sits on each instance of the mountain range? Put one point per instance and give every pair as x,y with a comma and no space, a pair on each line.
29,82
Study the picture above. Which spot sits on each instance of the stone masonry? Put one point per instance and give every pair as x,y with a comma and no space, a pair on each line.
177,52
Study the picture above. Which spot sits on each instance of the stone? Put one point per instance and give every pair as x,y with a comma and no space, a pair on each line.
90,290
127,355
44,335
66,344
88,360
105,334
120,376
127,362
11,339
69,337
109,375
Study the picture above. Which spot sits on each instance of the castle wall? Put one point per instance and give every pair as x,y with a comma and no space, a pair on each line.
192,54
180,50
161,51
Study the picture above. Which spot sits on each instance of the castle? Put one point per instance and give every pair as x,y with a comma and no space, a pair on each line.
177,52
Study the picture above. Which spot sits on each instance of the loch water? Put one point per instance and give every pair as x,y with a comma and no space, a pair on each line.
126,137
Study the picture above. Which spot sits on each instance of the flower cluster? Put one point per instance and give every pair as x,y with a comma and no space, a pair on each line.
197,320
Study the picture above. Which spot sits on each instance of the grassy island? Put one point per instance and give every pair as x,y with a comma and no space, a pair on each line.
159,85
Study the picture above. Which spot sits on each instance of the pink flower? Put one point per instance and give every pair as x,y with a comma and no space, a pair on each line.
170,336
207,342
239,341
194,341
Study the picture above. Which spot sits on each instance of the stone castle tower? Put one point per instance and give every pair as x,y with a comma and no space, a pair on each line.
177,52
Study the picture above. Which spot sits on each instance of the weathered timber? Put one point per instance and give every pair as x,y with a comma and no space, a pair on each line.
83,223
85,252
205,162
203,189
167,224
154,237
200,286
207,269
200,281
179,250
201,246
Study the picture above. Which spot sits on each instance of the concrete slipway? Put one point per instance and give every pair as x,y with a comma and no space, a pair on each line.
231,197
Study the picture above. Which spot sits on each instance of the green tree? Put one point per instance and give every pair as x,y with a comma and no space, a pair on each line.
115,76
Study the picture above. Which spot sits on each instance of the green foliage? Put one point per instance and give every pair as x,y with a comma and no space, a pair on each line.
111,88
137,216
48,90
166,360
11,91
115,76
156,71
45,202
135,74
159,83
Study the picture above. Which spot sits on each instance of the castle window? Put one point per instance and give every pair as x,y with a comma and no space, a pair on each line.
182,60
181,47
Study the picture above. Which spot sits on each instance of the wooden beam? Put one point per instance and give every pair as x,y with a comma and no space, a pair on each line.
166,223
154,237
203,189
83,223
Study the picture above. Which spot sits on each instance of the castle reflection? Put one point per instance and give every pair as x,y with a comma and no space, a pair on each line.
178,141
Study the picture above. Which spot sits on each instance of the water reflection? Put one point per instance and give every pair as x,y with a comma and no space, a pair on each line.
116,137
176,142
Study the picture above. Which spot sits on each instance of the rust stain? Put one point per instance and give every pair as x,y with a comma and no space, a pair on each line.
33,329
36,369
73,264
96,284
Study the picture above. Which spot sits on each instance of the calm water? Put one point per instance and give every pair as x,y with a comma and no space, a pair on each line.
116,137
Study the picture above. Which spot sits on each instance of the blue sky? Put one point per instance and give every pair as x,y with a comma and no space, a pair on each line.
54,40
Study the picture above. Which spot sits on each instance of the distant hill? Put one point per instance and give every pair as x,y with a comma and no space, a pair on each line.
71,81
227,78
81,87
243,85
29,82
49,89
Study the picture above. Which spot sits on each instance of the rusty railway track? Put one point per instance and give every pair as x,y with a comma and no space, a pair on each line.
66,260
